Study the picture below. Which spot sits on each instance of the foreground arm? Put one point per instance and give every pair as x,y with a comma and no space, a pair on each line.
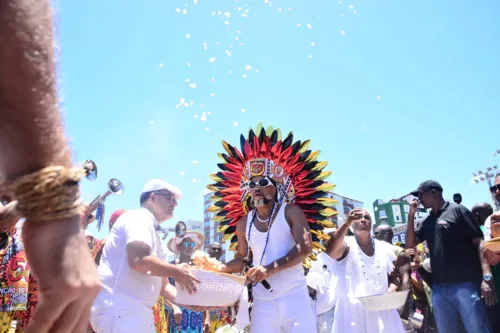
336,247
32,138
141,260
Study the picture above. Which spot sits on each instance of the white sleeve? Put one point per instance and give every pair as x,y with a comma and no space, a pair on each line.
139,228
487,229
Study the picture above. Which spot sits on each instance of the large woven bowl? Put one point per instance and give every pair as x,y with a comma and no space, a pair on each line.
215,289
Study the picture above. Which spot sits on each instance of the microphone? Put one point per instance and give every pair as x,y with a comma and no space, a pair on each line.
263,282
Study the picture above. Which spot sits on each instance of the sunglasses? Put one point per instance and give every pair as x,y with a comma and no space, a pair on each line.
188,244
495,188
167,195
261,183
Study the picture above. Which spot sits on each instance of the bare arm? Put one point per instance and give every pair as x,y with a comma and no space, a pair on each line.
141,260
336,247
237,264
404,269
411,239
302,237
168,292
31,133
485,266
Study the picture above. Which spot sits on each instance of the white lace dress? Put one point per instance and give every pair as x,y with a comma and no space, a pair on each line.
361,275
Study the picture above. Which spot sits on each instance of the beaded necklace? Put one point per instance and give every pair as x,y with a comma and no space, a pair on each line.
372,282
267,235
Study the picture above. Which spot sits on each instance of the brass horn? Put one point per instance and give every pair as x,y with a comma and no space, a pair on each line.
114,187
90,169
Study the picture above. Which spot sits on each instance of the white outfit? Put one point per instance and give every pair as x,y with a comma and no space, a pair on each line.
127,297
325,283
364,276
288,308
487,229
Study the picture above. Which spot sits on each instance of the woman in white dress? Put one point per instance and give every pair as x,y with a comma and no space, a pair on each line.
364,267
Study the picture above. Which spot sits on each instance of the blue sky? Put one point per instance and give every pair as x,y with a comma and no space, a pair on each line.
392,92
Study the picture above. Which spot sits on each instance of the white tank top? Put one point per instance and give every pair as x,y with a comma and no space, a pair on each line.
279,244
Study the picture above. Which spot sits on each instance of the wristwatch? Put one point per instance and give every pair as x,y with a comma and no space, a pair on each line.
487,277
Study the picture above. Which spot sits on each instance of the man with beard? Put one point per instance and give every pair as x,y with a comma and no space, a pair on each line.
461,277
284,181
133,270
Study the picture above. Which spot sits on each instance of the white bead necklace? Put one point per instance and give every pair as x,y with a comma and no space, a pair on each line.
372,278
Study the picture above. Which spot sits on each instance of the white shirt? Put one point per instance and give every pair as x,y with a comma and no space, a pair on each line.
323,281
122,287
487,229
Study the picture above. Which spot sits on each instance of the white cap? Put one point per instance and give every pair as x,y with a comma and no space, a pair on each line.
158,184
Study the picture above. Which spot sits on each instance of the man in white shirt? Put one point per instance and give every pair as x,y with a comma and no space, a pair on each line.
133,270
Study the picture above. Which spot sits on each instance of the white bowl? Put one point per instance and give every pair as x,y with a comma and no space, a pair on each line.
214,289
385,302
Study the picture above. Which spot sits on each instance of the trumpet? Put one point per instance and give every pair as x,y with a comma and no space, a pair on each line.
114,187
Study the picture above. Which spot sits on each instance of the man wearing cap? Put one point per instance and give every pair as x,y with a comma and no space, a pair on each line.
460,274
133,270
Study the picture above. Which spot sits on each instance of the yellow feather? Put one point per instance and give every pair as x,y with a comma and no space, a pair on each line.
307,263
317,233
219,219
327,212
215,178
327,223
326,187
318,246
226,147
214,209
212,188
233,246
227,237
320,166
258,129
223,228
323,175
221,158
324,237
269,130
279,134
215,198
313,156
327,201
304,146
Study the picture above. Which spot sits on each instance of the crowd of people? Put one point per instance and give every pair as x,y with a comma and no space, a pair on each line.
303,274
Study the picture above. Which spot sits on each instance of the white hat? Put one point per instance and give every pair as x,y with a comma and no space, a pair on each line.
196,237
158,184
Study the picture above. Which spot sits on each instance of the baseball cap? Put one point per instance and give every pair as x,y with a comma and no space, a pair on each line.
158,184
427,185
116,214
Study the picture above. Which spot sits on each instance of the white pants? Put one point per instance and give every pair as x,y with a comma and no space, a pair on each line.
325,321
288,314
110,320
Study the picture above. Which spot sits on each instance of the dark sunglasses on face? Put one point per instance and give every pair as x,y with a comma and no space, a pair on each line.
495,188
261,183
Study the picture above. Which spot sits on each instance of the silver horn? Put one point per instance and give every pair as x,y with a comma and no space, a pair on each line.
114,187
179,229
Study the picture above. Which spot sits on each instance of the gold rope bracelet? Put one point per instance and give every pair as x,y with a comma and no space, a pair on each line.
49,194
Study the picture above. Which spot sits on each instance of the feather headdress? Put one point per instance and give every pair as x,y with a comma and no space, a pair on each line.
299,178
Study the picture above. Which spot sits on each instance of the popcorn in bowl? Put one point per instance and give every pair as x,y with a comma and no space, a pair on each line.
202,261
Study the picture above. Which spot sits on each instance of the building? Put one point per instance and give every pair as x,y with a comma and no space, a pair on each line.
210,230
343,207
395,214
